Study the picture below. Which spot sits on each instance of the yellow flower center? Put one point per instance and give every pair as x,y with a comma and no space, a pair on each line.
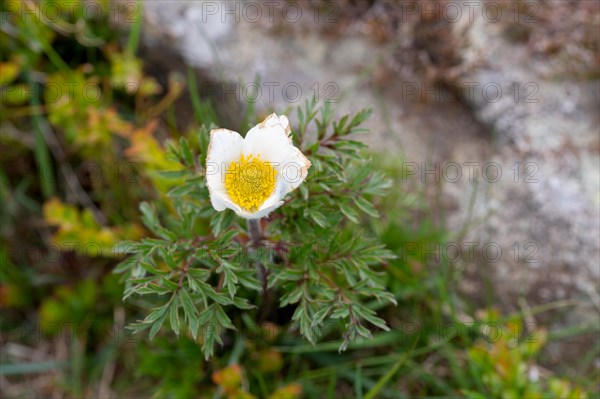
250,181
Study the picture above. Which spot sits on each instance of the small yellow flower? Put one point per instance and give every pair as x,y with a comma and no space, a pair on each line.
251,175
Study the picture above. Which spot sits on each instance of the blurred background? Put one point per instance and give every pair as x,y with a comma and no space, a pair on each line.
485,117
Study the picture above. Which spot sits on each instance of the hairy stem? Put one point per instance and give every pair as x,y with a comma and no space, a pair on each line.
255,233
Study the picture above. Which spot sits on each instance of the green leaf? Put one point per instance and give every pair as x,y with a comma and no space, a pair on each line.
221,221
363,331
225,238
182,190
349,212
125,247
242,303
230,280
304,191
222,317
125,265
148,215
169,284
164,233
248,279
174,174
338,127
370,316
156,326
340,313
318,217
366,206
150,220
186,153
188,305
156,314
174,315
361,117
136,328
150,268
219,297
156,318
292,296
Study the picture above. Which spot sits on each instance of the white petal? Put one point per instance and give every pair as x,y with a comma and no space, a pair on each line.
221,202
278,193
270,139
225,147
294,169
264,212
218,201
293,172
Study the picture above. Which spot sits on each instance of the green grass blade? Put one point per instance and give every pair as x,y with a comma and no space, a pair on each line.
41,151
382,382
358,390
385,378
203,111
134,35
31,368
332,384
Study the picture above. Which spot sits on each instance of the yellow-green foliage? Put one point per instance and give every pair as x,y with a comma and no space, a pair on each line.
505,360
79,231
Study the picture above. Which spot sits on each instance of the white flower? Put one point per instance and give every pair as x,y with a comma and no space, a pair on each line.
251,175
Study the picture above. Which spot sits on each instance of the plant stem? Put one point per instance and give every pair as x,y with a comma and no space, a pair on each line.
255,233
255,236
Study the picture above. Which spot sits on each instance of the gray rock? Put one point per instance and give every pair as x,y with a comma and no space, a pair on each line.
551,126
